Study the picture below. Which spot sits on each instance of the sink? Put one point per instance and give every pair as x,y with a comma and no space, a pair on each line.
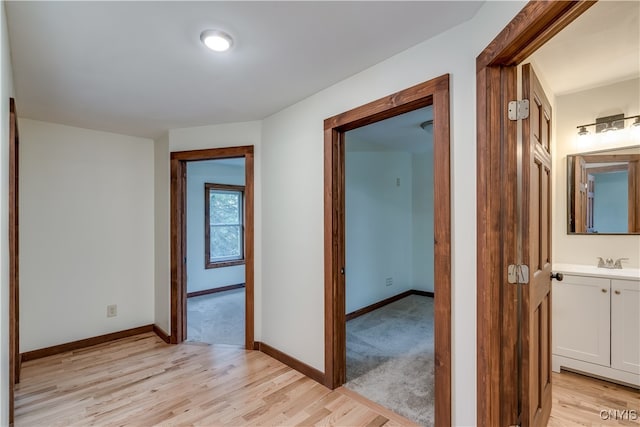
592,270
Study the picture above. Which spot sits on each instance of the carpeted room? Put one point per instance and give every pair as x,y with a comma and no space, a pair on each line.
390,357
389,264
215,253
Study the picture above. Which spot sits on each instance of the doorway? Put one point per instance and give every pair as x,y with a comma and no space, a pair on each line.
502,398
389,253
433,93
179,234
215,251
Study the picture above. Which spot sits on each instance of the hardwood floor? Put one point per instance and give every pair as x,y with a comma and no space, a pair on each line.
578,401
141,380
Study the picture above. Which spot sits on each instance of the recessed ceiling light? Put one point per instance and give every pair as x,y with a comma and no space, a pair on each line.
216,40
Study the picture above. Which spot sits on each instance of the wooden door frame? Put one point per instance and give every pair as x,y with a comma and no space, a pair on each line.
497,158
179,160
14,249
433,92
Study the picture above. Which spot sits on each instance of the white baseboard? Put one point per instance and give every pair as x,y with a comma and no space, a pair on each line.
597,371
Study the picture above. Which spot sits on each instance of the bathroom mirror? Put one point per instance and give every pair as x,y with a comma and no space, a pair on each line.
603,192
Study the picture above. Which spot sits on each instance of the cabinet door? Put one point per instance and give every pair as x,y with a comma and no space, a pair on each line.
625,325
581,323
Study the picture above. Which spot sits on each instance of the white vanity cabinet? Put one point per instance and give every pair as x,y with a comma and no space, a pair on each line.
625,325
596,322
581,319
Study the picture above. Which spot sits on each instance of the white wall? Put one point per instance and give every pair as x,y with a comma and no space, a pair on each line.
198,277
86,233
292,159
162,276
203,137
378,226
389,228
6,91
422,237
572,110
289,219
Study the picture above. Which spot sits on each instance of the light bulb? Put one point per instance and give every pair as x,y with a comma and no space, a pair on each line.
217,41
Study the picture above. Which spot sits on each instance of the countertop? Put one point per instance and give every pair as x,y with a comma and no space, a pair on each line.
592,270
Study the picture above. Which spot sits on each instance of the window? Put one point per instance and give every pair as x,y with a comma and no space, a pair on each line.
224,225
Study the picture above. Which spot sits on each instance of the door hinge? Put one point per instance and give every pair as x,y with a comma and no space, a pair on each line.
518,273
519,109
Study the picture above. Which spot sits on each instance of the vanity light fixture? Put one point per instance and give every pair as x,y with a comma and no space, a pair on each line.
608,124
216,40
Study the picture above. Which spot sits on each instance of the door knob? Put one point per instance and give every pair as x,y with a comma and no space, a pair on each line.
557,276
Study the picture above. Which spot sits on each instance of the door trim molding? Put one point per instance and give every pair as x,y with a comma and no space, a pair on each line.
433,92
14,262
179,161
536,23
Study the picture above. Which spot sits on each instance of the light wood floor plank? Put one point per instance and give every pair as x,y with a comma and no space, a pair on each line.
578,400
143,381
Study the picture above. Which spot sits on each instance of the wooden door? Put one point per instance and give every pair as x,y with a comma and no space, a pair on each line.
580,190
497,171
591,187
634,196
14,325
536,253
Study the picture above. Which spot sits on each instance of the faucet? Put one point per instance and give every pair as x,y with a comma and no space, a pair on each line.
605,263
608,263
618,263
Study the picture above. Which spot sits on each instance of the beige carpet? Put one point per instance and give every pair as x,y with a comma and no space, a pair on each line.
216,318
390,357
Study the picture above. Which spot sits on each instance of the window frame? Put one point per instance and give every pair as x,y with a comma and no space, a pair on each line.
208,187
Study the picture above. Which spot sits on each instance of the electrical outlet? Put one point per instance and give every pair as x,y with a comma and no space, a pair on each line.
112,310
389,281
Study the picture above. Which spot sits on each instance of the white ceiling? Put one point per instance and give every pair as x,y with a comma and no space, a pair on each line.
601,46
400,133
138,68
